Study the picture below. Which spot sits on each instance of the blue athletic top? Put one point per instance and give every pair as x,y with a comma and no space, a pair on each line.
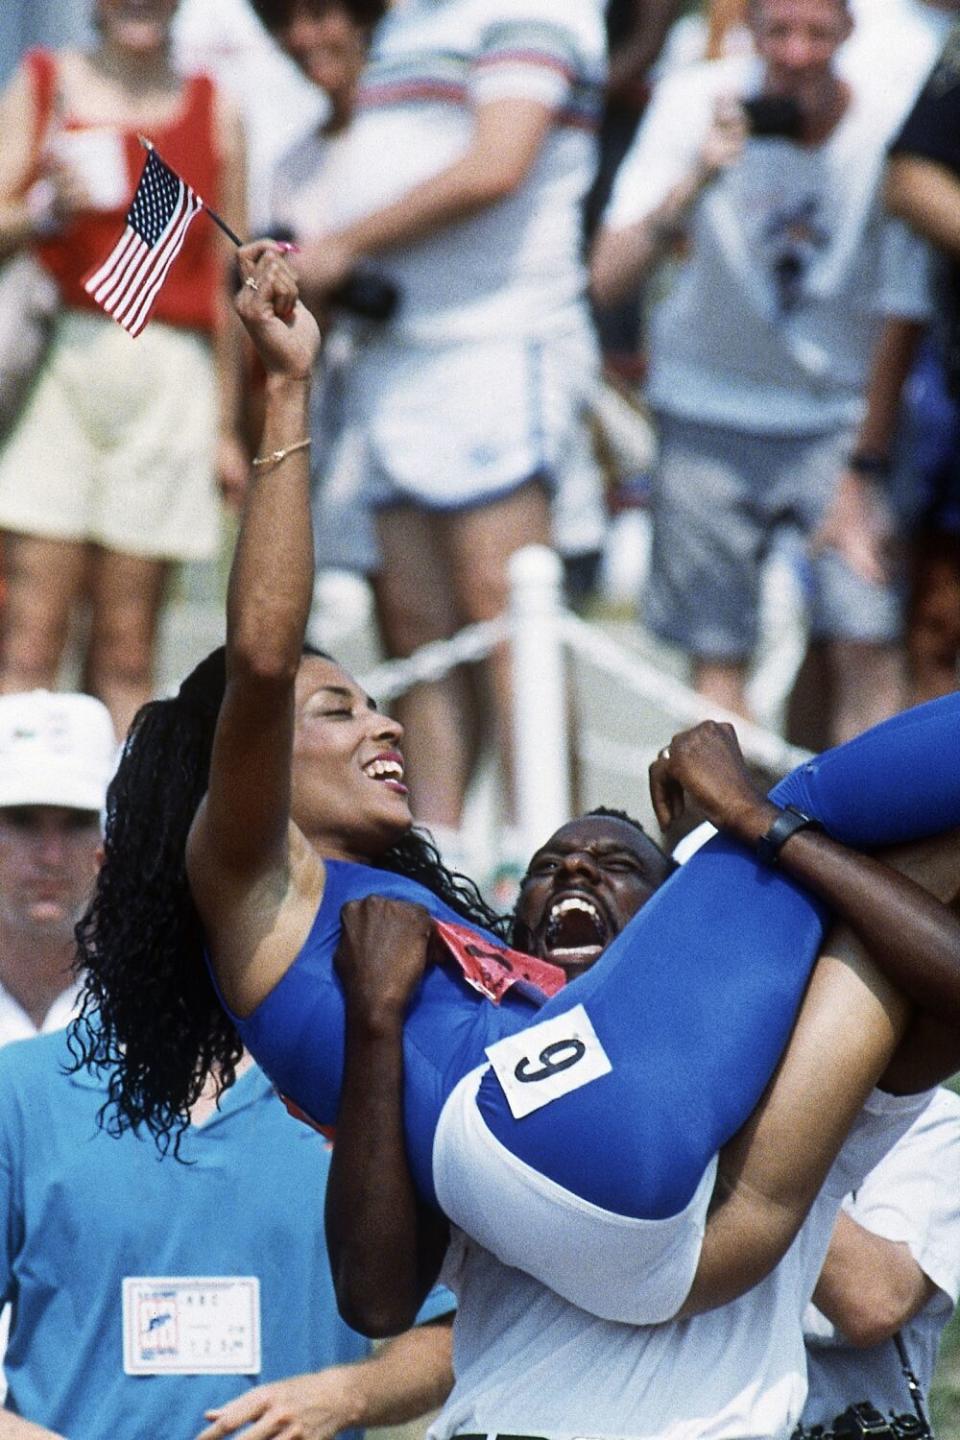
297,1032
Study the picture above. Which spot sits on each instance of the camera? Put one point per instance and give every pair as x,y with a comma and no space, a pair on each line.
773,117
365,292
864,1422
369,295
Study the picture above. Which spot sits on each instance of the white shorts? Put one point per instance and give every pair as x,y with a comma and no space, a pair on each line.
637,1272
115,444
450,427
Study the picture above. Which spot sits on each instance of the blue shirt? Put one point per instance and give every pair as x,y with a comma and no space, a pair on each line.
81,1209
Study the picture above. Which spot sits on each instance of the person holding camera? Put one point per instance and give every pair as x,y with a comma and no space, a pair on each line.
889,1283
768,169
470,152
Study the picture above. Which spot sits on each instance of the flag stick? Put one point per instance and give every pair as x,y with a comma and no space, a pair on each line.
230,234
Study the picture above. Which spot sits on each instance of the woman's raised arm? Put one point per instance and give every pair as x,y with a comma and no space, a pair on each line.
241,839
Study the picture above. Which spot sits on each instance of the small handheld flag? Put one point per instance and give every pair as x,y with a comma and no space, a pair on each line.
128,282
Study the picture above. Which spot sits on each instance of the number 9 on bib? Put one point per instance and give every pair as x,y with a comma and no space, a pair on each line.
548,1060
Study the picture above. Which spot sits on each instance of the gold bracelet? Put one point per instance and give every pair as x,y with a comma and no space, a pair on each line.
276,456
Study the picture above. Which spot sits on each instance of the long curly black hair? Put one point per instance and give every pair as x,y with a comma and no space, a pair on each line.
150,1019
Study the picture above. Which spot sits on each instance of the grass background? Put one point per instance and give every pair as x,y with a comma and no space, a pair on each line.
945,1391
945,1396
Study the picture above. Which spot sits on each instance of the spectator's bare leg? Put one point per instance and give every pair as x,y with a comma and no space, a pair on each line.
933,626
479,543
723,682
810,703
415,605
126,595
44,579
868,686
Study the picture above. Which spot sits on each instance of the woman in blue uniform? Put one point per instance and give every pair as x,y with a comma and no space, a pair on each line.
250,807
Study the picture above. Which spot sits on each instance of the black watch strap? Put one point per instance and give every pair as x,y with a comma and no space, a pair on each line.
787,823
869,463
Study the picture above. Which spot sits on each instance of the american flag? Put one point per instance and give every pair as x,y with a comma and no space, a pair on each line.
128,282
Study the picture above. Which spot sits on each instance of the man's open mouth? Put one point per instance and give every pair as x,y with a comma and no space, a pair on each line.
575,931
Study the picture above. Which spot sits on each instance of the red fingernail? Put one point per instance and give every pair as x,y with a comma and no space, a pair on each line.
286,247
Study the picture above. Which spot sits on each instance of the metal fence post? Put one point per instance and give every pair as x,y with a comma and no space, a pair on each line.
540,729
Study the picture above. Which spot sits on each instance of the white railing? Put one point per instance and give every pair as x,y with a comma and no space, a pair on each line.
431,662
649,682
543,635
540,696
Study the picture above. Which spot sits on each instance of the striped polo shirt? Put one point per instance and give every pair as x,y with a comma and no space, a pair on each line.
518,264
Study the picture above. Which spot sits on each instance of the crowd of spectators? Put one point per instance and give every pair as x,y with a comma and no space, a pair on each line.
453,422
768,250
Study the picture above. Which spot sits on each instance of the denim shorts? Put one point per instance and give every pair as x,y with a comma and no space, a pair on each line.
720,496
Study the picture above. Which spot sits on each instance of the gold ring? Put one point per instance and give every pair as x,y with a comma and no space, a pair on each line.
251,284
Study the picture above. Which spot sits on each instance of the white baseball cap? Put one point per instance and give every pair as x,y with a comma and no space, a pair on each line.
55,749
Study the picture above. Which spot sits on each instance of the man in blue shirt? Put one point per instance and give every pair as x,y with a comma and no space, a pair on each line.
157,1298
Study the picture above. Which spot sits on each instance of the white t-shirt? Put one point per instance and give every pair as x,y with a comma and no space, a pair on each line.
517,265
309,184
770,320
893,48
526,1362
15,1023
912,1196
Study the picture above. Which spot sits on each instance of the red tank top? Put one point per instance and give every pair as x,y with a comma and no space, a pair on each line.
188,145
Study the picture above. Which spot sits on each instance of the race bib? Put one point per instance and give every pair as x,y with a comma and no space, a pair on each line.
548,1060
494,969
187,1325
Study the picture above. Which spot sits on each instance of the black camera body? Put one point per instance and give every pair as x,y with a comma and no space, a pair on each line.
773,117
365,292
369,295
864,1422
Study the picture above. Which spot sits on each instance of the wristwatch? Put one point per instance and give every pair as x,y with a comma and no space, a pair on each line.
787,823
869,464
